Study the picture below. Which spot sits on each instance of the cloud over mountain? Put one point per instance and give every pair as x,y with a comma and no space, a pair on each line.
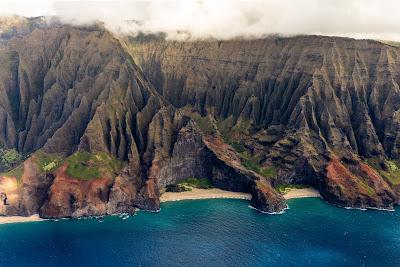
225,19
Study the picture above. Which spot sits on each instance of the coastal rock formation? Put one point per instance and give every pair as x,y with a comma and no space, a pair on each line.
107,122
356,185
264,198
71,97
69,197
26,196
295,104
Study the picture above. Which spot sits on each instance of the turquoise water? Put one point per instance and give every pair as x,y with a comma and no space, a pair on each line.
216,232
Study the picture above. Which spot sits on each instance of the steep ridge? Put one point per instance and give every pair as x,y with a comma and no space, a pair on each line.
99,139
314,109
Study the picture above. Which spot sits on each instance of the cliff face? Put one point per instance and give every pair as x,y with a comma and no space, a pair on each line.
301,104
106,124
74,102
344,90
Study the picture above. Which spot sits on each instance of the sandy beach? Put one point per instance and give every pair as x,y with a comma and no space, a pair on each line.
203,194
301,193
218,193
20,219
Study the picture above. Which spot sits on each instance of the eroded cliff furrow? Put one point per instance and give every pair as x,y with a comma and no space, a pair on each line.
353,83
295,104
99,138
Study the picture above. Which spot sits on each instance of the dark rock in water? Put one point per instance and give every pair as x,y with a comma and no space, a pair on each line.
148,197
245,114
266,199
123,193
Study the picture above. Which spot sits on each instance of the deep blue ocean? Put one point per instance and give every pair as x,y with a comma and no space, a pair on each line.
216,232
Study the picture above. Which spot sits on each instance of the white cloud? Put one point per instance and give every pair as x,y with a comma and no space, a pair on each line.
228,19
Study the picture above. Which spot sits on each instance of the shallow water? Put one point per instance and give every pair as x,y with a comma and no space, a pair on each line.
216,232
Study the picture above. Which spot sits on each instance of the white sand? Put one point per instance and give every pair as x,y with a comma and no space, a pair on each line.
218,193
203,194
20,219
300,193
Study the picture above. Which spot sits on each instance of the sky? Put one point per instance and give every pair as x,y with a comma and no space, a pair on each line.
225,19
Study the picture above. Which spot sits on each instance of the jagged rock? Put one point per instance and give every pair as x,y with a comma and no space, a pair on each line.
148,197
266,199
123,193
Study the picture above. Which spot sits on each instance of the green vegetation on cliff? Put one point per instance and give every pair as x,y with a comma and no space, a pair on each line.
250,162
231,130
15,172
387,168
253,163
205,123
370,191
9,158
87,166
201,183
177,188
238,147
47,162
284,188
231,135
189,183
270,171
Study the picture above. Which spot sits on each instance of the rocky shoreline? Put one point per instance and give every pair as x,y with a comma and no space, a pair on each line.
195,194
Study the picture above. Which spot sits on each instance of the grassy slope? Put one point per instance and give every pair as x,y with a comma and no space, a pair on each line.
391,172
47,162
86,166
81,165
16,172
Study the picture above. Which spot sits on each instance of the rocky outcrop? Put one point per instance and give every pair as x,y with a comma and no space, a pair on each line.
266,199
229,174
356,185
69,197
123,193
26,195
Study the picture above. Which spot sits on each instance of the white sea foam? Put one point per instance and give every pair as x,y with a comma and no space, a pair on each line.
270,213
